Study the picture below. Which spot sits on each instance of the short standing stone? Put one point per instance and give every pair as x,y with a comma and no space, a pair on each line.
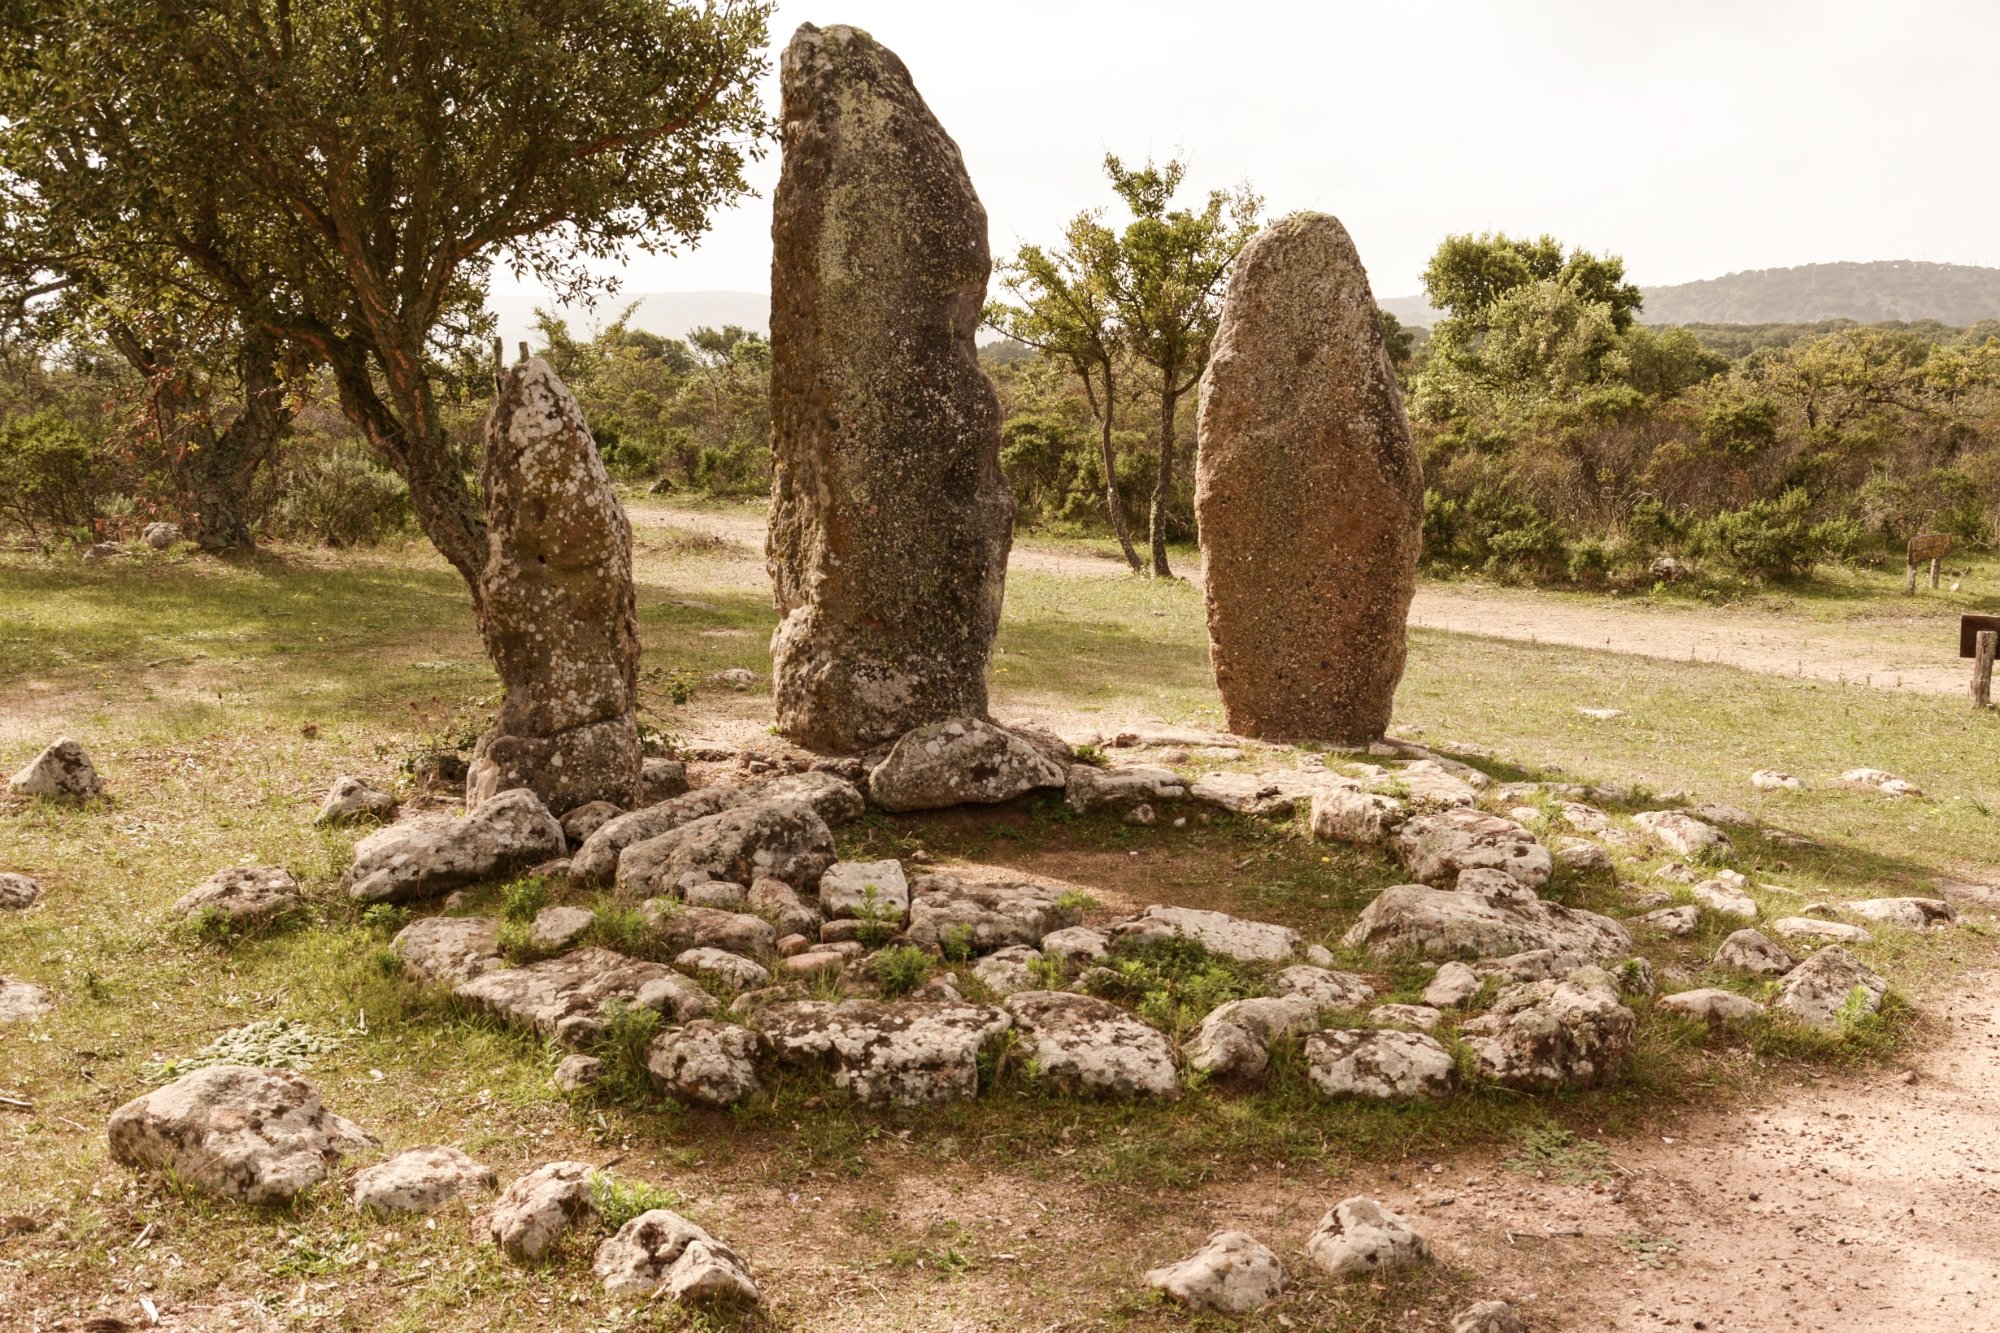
241,896
706,1062
255,1135
662,1252
535,1211
1454,984
890,518
1360,1237
1092,1046
1829,986
17,891
351,800
1232,1274
865,888
421,1180
1377,1063
559,612
1234,1040
1308,493
431,855
961,761
62,772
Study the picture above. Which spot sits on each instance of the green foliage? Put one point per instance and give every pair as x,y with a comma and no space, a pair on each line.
53,482
1560,1154
629,1030
1174,982
957,944
384,919
523,899
334,494
900,968
1775,539
619,1200
275,1043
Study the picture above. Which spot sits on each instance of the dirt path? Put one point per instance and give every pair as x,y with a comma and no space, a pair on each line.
1751,640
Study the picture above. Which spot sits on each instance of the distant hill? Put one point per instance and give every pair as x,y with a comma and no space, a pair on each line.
1888,289
669,314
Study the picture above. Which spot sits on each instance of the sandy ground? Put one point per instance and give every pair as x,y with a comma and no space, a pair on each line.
1750,640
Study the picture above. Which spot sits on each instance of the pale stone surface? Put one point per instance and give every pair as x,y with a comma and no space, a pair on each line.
1581,856
449,949
904,1053
1377,1063
1775,779
1092,1046
254,1135
1090,788
1431,785
242,896
783,839
62,772
851,888
586,819
1487,1317
661,779
1006,970
1308,493
1908,913
1675,921
715,893
1716,1006
595,863
577,1071
1271,793
1815,931
1819,990
1436,847
421,1180
890,518
732,969
706,1062
780,904
1234,1040
661,1252
1233,1273
431,855
1343,814
18,892
945,907
22,1001
160,536
1725,899
711,928
1549,1034
1448,923
1076,944
1454,984
558,927
1360,1237
535,1211
566,997
1326,988
559,612
961,761
1876,779
350,799
1685,835
1218,932
1753,952
1416,1017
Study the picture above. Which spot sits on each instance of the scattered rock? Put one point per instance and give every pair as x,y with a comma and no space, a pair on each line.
961,761
1006,971
1751,951
711,928
1262,794
18,892
1232,1274
1436,847
1234,1040
567,996
662,1252
596,862
1908,913
905,1053
449,949
864,888
1775,779
62,772
586,819
1674,921
1813,929
576,1071
99,552
22,1001
1581,856
1121,790
715,893
1550,1034
352,800
160,536
1360,1237
1453,985
241,897
535,1211
812,962
1445,923
1875,779
1343,814
1377,1063
732,969
784,839
1602,714
1829,985
1089,1045
431,855
1716,1006
1417,1017
421,1180
1487,1317
661,779
996,915
778,903
706,1062
1685,835
1326,989
1076,944
1218,932
1584,818
1725,899
253,1135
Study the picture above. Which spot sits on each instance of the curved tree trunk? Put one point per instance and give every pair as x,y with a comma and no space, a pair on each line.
1114,506
220,471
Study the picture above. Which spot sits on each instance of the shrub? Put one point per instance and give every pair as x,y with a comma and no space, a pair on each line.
1774,538
619,1201
53,481
336,496
900,968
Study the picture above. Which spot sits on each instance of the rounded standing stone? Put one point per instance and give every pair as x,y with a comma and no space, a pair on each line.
890,518
1309,493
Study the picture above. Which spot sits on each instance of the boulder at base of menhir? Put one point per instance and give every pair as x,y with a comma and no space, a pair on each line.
1488,918
429,856
962,761
890,517
558,611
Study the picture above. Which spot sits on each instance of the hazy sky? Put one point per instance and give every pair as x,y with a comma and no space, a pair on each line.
1692,137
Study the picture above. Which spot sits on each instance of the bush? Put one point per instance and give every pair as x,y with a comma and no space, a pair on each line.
53,481
1774,538
335,495
900,969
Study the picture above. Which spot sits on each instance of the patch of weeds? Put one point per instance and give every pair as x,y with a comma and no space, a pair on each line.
878,925
626,930
900,969
1559,1154
1090,754
303,1256
209,925
523,899
677,685
1860,1036
957,944
619,1201
515,944
387,962
275,1043
1649,1251
629,1030
1073,901
1173,982
384,919
1047,973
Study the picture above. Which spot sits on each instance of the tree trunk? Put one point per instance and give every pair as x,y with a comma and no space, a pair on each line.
415,447
221,469
1114,507
1163,484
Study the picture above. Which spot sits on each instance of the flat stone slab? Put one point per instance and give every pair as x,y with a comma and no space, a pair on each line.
1684,835
1437,847
1276,792
1092,1046
1376,1063
1122,789
596,861
1445,924
566,997
449,949
961,761
253,1135
1711,1004
990,915
1753,952
706,1063
1234,1040
1814,930
1218,932
431,855
241,896
903,1053
1905,913
421,1180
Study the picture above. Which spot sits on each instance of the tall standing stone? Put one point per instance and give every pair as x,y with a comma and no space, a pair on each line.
890,519
1309,493
560,620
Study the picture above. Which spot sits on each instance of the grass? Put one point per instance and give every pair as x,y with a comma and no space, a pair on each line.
194,681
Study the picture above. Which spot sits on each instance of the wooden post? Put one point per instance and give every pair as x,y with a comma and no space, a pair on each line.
1982,669
1910,579
1934,574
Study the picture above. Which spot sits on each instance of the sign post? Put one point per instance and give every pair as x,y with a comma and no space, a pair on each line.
1979,639
1931,546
